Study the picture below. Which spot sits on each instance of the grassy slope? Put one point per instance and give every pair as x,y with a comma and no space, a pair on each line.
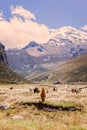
8,76
72,71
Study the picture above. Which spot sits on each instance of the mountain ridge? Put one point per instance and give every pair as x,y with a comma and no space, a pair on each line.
67,44
74,71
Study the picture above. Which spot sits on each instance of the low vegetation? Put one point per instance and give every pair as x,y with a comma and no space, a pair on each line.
24,110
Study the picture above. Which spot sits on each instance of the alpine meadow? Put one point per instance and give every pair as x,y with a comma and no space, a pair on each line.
43,65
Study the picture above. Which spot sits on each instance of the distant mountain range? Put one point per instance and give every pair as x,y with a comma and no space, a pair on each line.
66,43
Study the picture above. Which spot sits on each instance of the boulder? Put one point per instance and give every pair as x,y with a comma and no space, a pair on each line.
18,117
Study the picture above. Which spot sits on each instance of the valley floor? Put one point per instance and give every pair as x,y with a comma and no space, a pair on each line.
16,116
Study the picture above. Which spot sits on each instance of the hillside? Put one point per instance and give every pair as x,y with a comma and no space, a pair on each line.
70,72
8,76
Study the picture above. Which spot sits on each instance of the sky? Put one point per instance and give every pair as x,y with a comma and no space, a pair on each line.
22,21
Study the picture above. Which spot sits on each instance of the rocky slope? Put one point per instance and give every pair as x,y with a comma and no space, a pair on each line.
6,74
3,56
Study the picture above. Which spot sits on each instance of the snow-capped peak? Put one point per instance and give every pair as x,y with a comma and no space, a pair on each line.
61,31
68,34
65,30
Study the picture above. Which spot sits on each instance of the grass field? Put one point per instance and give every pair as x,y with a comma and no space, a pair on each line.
20,115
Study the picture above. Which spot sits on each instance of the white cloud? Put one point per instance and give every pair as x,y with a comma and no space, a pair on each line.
21,12
84,27
1,16
21,29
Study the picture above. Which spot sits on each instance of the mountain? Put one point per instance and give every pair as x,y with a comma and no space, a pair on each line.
3,56
35,49
74,71
66,43
31,44
6,74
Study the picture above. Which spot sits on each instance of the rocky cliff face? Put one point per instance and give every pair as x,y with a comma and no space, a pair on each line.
3,56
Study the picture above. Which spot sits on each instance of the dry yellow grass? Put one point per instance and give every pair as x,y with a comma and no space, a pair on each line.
35,119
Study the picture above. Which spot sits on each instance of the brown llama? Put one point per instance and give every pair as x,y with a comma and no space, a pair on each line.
43,95
36,90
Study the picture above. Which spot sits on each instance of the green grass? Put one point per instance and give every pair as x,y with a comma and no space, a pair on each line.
48,106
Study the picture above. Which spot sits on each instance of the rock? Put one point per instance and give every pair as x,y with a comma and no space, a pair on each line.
4,106
18,117
3,56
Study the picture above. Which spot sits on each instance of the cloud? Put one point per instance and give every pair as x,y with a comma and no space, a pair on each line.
21,29
1,16
84,27
21,12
